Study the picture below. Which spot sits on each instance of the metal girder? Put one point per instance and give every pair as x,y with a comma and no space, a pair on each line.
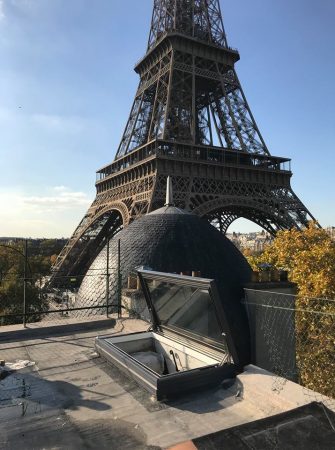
187,98
200,19
273,207
80,251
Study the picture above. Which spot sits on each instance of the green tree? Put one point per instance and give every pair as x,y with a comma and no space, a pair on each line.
11,284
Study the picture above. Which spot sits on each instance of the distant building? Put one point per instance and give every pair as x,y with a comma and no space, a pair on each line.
255,242
331,232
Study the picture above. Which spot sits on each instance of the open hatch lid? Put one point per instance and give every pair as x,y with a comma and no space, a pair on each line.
189,306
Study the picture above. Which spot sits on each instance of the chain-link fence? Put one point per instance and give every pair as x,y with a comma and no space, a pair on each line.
294,338
31,297
32,301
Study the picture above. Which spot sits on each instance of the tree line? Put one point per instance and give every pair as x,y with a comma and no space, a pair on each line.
42,253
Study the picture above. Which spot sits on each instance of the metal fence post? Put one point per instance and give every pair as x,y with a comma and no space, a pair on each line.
25,283
119,280
107,278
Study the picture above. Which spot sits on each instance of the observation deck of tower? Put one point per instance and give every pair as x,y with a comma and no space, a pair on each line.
189,120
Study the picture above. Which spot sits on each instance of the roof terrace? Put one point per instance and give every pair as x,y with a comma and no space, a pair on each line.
72,399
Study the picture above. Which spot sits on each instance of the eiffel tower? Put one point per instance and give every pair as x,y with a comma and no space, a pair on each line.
190,119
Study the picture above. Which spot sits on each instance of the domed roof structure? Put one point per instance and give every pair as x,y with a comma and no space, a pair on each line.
172,240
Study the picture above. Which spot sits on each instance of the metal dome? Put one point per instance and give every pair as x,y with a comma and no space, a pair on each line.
173,240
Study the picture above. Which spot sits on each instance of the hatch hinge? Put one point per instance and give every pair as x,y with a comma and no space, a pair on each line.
154,328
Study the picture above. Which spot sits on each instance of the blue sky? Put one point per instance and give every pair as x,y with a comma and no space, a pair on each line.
67,84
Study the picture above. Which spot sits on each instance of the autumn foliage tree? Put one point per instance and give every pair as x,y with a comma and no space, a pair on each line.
309,257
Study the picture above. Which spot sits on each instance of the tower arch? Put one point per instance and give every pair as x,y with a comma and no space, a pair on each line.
224,211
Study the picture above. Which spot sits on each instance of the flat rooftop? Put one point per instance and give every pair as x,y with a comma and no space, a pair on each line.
72,399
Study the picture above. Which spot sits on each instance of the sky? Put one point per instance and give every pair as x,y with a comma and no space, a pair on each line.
67,84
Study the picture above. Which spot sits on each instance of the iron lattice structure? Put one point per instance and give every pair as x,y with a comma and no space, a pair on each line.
190,119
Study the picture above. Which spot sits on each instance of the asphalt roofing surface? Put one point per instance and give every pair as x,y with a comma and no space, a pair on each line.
72,399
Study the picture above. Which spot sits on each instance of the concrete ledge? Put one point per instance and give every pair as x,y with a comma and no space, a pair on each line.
12,333
283,287
276,394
